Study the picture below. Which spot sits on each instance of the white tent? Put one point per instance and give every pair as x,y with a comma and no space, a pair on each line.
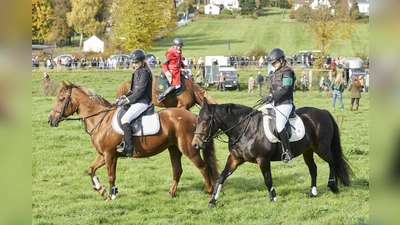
93,44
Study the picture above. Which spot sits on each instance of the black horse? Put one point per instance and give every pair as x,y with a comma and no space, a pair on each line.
247,142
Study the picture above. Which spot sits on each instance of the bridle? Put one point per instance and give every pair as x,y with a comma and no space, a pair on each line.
83,119
62,112
209,136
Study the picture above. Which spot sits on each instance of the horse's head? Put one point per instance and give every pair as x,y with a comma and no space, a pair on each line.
63,107
206,125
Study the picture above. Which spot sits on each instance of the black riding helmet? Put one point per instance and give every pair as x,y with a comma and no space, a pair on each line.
177,42
275,54
138,55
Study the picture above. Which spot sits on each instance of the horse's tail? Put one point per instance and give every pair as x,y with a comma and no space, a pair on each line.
211,161
343,171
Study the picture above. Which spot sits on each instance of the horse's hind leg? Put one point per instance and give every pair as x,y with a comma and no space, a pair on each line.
175,156
97,163
308,157
231,164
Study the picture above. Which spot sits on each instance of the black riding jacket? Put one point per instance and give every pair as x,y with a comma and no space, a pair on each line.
282,94
141,86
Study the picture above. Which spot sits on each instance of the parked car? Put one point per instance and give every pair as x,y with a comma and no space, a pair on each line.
63,57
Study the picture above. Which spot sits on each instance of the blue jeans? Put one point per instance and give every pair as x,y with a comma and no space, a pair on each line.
337,94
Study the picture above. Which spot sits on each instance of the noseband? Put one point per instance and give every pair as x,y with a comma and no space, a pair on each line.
62,112
207,133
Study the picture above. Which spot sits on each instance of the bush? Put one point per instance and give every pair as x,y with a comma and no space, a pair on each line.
226,12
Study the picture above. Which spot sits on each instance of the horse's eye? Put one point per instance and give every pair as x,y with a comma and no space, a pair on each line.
61,99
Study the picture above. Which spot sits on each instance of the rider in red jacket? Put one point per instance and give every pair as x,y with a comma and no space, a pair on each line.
171,67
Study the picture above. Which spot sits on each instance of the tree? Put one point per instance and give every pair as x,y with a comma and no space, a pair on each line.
325,25
59,29
248,7
41,21
85,17
136,24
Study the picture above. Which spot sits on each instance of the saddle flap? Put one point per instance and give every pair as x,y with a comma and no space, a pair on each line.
296,128
162,84
148,123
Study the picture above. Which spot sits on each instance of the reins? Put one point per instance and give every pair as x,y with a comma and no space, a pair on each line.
83,119
218,134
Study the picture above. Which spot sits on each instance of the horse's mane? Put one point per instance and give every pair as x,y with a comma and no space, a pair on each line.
89,92
231,110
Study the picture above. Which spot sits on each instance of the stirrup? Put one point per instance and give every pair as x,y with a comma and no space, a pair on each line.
283,157
120,147
160,99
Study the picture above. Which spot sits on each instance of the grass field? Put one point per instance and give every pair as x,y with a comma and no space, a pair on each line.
210,37
62,191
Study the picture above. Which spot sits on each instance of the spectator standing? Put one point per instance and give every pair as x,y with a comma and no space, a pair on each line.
260,80
361,79
260,62
221,81
337,89
194,62
321,84
366,78
251,84
304,81
355,95
199,78
200,62
327,83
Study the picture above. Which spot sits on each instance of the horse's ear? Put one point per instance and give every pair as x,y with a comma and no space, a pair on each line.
205,103
64,85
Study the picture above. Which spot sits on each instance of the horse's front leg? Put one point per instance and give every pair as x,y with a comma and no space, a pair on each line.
231,164
265,166
97,163
111,162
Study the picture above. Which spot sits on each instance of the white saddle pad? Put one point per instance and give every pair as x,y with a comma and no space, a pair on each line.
297,132
150,125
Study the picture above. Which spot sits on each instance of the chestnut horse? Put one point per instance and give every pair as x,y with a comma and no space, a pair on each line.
332,68
176,132
191,95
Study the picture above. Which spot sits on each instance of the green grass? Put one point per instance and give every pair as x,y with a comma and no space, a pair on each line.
204,37
62,191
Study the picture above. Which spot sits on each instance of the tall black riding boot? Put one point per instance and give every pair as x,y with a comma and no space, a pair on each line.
284,137
127,148
161,97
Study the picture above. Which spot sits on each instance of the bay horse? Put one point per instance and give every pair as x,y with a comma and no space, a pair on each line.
191,95
248,143
176,132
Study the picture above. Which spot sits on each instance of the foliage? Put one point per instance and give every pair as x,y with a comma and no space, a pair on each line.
184,7
226,12
247,6
41,19
139,23
84,17
325,26
59,29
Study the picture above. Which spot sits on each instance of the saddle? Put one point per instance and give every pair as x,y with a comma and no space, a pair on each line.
294,126
162,84
147,123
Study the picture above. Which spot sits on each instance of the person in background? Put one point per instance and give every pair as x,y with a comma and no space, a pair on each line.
260,80
304,81
355,95
171,67
337,89
251,82
199,78
138,98
321,84
281,96
366,78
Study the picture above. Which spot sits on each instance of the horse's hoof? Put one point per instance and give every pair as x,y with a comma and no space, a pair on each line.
211,205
